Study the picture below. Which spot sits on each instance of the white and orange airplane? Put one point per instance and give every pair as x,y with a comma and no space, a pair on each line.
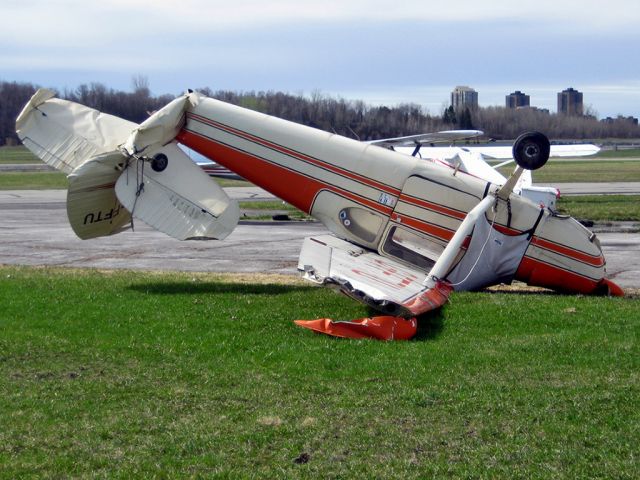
405,232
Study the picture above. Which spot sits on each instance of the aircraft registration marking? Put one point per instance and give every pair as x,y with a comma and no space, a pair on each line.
387,200
93,217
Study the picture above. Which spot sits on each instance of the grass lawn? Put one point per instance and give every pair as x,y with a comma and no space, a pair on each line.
18,154
264,210
556,171
600,208
588,171
633,153
129,374
33,180
229,182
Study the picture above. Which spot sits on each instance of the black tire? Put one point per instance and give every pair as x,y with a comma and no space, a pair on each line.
159,162
531,150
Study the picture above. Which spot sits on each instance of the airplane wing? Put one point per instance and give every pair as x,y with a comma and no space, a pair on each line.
505,152
66,134
380,282
427,138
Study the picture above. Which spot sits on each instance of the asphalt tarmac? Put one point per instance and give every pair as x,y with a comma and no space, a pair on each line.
34,231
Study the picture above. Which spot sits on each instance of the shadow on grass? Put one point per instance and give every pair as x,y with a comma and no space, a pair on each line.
430,325
172,288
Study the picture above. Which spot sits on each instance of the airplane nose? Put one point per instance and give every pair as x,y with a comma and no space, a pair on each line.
563,255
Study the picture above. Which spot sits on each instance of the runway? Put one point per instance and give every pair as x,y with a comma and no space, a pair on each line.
34,231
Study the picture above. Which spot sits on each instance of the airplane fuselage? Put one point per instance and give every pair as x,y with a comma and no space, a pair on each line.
399,206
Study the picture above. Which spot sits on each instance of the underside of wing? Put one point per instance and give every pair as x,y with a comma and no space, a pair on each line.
377,281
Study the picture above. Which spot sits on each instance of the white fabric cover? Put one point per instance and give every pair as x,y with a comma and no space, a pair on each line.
66,134
160,128
498,261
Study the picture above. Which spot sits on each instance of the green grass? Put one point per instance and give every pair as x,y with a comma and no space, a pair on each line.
588,171
58,180
32,180
17,154
261,210
584,171
631,153
228,182
128,374
601,207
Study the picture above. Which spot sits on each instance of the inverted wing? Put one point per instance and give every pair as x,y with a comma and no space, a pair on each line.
66,134
368,277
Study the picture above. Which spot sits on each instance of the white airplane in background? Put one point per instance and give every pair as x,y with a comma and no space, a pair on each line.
405,232
471,159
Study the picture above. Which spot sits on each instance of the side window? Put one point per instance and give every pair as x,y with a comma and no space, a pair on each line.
412,248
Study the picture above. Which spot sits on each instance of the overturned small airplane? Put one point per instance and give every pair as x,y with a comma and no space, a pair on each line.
405,232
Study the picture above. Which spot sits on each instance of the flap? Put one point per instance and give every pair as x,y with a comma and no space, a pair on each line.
92,206
378,281
173,195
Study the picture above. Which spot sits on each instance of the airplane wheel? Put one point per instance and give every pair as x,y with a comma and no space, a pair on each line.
159,162
531,150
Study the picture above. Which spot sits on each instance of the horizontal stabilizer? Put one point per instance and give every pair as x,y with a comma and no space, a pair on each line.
173,195
377,281
92,206
65,134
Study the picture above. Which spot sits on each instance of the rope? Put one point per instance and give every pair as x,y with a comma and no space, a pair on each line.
140,182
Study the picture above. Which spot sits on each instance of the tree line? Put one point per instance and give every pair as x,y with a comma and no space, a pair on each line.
351,118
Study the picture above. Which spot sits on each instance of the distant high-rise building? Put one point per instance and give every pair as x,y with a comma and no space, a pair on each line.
570,102
462,97
517,99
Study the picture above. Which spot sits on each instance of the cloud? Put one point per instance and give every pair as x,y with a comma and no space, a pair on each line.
332,45
68,22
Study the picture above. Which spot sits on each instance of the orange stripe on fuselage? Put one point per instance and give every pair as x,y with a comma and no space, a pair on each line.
295,154
421,226
434,207
593,260
294,187
538,273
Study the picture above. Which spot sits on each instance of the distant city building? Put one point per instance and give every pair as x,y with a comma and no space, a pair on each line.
570,102
620,119
517,99
462,97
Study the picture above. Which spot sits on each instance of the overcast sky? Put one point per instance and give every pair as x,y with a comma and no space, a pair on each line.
378,51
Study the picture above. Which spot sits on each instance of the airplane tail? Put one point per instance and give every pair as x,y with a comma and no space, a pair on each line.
118,170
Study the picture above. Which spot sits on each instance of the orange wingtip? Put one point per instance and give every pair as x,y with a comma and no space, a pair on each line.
381,328
612,288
